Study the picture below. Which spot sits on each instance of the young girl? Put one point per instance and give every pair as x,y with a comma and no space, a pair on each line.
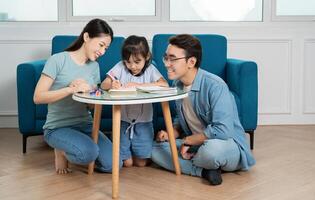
136,126
68,125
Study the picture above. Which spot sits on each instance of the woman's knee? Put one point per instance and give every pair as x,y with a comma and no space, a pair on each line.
86,155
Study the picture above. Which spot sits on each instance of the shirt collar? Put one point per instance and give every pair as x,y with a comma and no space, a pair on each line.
196,85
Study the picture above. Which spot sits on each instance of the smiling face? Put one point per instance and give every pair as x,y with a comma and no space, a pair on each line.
96,46
135,64
176,62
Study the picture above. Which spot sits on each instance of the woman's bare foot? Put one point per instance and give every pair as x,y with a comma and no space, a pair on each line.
128,162
61,163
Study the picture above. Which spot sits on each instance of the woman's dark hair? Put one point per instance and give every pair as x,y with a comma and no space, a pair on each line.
190,44
95,28
136,46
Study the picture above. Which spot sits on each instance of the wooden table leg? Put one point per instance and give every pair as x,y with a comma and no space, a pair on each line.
116,143
95,129
170,131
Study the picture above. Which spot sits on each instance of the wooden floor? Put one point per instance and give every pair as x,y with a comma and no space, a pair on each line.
285,169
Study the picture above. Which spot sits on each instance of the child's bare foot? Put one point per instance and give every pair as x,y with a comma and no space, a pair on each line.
61,163
128,162
140,162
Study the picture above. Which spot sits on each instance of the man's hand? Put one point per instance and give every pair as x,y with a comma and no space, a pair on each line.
183,151
162,136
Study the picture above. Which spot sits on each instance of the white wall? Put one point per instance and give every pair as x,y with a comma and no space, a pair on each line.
284,52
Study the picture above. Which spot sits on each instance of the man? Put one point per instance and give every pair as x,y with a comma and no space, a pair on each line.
207,120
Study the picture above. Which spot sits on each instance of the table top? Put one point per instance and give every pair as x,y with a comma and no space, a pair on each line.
121,99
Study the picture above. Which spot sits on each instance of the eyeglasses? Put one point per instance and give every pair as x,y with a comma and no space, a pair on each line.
167,59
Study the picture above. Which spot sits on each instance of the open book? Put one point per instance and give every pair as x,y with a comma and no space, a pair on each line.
123,92
146,89
157,89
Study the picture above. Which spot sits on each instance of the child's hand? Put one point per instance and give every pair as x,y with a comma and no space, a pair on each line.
162,136
132,84
116,84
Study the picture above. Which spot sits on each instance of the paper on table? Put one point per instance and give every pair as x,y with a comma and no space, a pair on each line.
157,89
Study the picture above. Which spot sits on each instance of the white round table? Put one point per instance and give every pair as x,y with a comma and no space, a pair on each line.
117,100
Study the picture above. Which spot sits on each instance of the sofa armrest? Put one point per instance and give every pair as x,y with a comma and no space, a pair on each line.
241,77
27,75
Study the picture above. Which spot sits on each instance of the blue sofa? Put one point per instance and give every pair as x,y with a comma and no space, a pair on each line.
241,77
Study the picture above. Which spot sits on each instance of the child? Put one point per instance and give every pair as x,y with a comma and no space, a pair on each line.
135,69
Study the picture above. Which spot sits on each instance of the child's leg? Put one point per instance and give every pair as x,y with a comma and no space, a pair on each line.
142,142
125,152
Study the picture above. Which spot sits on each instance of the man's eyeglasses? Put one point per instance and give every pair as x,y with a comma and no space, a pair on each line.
168,59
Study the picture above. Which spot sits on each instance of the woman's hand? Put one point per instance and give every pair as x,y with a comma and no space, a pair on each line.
80,85
77,82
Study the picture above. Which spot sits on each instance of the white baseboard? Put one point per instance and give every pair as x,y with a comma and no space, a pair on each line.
9,121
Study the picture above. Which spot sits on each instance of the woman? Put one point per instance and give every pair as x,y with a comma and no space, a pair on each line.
68,125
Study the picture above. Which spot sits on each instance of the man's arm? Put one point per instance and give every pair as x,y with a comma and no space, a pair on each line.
222,122
195,139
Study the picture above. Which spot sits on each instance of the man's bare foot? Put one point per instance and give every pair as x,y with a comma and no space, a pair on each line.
61,163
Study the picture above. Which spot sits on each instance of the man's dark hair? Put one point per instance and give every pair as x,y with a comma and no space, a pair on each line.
190,44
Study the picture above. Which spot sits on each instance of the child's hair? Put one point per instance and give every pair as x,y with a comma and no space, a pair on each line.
136,46
95,28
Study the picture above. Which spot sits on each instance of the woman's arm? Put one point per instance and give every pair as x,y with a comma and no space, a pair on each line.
42,95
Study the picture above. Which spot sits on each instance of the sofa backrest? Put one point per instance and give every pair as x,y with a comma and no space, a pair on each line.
214,52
